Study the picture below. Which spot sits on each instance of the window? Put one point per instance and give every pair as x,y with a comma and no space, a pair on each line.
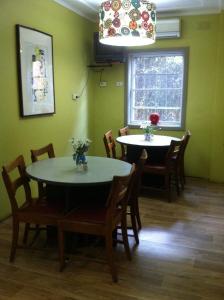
157,83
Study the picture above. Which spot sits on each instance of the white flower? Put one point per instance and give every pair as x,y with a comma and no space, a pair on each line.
80,146
148,127
145,125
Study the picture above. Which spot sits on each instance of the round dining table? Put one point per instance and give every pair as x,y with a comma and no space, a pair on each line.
156,147
63,171
139,140
65,181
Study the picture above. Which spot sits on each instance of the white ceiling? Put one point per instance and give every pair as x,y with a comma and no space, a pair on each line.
89,8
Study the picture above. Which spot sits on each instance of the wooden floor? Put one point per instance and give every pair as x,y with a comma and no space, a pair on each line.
180,256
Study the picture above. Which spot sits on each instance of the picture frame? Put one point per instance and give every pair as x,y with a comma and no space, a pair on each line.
35,72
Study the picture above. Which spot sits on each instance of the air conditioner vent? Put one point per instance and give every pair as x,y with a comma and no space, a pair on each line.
168,28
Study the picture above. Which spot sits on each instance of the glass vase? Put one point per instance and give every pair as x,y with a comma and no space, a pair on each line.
147,136
80,160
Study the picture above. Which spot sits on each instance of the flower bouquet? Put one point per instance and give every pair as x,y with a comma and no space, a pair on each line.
148,130
80,147
150,126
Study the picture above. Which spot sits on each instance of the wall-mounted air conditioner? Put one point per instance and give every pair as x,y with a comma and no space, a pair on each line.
168,28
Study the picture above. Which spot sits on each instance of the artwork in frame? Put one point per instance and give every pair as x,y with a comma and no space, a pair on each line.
35,72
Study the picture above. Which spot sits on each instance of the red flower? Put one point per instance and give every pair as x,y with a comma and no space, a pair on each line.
154,118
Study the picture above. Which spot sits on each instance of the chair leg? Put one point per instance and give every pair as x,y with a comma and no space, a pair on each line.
26,231
168,186
182,176
184,179
134,224
110,258
61,248
138,215
182,182
125,236
15,235
37,232
177,181
114,236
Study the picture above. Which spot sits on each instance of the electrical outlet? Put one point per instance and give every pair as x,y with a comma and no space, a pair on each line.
119,83
75,96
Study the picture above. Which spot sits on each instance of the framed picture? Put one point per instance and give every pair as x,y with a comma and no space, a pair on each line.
35,72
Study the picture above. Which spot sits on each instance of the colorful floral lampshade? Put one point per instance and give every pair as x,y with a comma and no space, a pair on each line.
127,23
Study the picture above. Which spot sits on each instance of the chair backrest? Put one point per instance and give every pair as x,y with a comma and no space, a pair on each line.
118,195
121,132
185,140
48,150
173,151
110,144
13,183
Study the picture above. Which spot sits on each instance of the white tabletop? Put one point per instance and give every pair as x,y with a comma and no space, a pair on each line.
62,170
139,140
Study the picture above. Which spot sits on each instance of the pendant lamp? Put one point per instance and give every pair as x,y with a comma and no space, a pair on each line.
127,23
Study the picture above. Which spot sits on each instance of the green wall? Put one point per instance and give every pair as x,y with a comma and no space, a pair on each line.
100,109
204,37
217,121
72,42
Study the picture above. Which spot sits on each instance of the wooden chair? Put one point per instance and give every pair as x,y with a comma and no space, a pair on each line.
48,151
167,170
32,211
121,132
180,167
133,195
101,221
178,161
110,144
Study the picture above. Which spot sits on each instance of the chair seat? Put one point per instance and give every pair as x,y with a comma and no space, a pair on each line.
97,216
41,207
155,169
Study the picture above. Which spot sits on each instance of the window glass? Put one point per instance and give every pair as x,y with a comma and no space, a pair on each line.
157,83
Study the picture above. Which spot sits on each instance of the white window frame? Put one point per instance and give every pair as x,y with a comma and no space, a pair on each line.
157,52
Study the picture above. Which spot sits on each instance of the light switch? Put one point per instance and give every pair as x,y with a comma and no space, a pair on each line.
103,83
